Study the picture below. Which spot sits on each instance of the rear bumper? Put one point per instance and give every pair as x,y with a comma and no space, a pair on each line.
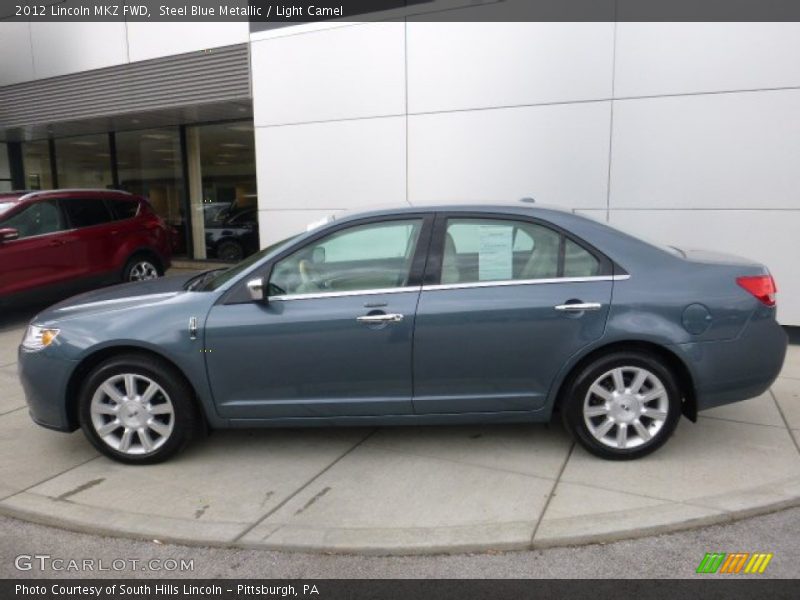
44,380
733,370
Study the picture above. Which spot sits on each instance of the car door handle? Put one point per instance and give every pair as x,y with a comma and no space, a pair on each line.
390,318
578,306
57,243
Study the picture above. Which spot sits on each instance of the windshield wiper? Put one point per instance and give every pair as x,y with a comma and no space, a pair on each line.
201,279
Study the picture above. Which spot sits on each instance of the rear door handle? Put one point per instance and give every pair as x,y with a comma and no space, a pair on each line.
578,306
57,243
390,318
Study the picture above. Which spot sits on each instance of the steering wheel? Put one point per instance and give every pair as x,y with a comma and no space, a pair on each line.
309,276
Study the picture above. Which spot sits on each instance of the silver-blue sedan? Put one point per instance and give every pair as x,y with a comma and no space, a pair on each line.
449,314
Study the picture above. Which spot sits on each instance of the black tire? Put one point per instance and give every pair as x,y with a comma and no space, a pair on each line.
186,423
140,261
230,251
622,407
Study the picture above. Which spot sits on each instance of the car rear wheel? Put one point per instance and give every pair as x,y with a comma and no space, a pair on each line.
623,405
141,268
137,410
230,251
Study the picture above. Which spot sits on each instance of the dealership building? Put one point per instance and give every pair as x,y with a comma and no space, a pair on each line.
685,133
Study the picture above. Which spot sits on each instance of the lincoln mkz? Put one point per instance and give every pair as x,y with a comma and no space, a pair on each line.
437,315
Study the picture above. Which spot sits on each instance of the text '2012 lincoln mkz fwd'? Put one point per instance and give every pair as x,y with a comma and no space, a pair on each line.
414,316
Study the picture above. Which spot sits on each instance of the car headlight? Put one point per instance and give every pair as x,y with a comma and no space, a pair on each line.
37,337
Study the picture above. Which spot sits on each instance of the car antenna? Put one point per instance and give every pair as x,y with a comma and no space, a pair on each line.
528,200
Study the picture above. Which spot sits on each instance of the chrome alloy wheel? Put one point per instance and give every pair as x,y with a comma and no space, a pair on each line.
132,414
626,407
142,271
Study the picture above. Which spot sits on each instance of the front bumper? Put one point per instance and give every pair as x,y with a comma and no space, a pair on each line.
44,380
733,370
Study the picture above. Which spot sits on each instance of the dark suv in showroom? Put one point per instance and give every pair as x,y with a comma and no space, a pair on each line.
232,234
62,241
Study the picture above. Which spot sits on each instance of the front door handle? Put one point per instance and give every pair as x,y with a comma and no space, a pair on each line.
372,319
579,306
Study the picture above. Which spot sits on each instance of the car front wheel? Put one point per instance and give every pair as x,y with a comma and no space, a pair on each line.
623,406
137,410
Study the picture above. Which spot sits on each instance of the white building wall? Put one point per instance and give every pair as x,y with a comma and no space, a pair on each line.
686,132
48,49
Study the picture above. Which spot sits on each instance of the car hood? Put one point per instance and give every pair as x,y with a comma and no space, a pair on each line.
118,297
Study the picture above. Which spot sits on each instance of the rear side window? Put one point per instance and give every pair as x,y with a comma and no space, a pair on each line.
123,209
482,250
477,250
579,262
85,212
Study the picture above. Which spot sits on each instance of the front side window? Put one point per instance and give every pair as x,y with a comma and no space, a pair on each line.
85,212
39,218
363,257
486,250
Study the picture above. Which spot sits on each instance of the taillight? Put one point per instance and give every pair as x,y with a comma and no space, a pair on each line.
761,286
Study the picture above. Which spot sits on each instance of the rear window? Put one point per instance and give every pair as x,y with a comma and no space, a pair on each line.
85,212
124,209
5,206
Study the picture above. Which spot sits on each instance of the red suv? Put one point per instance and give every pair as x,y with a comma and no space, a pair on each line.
62,241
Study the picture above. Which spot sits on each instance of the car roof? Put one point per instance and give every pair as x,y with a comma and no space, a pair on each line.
12,196
518,208
75,192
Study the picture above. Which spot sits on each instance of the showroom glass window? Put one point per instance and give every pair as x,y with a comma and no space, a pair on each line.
149,165
36,165
222,182
84,162
5,169
363,257
484,250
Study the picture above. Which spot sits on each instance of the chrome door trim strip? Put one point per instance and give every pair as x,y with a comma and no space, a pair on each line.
452,286
318,295
484,284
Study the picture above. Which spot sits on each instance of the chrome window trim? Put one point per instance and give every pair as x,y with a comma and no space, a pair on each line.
484,284
453,286
318,295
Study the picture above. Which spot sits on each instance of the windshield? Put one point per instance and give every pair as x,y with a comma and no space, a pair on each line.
5,206
226,275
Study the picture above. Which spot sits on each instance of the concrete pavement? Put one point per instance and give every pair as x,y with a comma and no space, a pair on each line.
404,490
673,555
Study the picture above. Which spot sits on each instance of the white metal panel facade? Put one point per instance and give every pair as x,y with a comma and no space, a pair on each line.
687,132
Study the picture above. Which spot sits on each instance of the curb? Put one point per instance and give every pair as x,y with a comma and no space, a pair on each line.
478,538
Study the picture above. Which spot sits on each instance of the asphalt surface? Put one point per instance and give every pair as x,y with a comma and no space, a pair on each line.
667,556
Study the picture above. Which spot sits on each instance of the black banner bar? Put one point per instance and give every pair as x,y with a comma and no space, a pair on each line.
267,13
730,588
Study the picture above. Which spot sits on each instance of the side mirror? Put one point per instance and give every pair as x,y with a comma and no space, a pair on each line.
256,289
8,234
